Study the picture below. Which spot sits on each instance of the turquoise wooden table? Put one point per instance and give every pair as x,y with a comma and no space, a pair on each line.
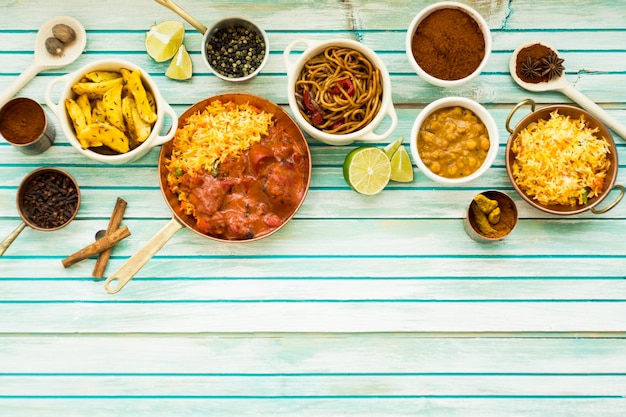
373,306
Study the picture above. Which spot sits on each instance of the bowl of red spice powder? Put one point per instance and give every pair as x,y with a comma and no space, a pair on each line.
448,43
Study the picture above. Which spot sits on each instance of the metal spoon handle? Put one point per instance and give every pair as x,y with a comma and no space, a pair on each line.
594,109
9,239
182,13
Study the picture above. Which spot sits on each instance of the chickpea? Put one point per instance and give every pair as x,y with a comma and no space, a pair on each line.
484,143
451,170
454,141
428,137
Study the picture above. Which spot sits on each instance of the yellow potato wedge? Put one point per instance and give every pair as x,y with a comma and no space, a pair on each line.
95,90
85,105
76,114
112,101
97,103
151,101
98,134
97,115
138,128
137,89
99,76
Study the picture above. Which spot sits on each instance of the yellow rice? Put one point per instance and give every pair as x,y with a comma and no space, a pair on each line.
560,161
208,137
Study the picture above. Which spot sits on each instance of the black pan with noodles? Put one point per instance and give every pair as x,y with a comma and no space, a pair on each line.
223,187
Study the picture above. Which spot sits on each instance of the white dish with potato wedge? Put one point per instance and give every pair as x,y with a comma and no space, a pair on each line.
111,111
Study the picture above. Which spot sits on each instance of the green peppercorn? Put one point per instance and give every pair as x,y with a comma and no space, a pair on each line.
227,46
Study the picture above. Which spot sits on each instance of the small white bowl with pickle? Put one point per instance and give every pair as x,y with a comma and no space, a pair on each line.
454,140
111,111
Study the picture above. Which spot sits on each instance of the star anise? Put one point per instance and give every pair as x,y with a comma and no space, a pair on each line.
552,66
531,69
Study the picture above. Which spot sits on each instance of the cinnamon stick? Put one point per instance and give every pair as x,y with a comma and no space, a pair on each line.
114,224
97,246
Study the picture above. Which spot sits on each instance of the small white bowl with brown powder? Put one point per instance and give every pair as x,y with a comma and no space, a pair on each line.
448,44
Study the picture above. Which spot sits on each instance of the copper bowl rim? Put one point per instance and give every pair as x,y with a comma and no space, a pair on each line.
22,187
591,121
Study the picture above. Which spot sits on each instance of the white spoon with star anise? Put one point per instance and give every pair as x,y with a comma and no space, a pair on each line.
548,75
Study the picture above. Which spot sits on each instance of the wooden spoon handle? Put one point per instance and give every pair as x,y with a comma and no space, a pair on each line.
182,13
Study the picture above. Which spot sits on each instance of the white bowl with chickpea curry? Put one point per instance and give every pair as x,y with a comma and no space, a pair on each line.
111,111
454,140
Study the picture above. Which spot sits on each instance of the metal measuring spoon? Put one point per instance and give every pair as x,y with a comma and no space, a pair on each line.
43,60
562,85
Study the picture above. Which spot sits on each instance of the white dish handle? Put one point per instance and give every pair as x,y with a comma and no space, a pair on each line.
286,54
56,108
167,110
390,112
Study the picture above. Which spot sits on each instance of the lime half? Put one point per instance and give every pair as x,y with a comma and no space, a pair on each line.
180,67
163,40
367,170
401,167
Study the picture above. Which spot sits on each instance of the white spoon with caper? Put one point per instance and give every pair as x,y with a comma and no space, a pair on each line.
58,43
557,82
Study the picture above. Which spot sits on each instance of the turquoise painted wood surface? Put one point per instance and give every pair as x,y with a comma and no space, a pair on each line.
374,306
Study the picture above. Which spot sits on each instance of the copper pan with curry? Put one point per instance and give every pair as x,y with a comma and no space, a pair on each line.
237,170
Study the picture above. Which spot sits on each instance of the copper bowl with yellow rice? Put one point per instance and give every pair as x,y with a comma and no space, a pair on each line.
554,174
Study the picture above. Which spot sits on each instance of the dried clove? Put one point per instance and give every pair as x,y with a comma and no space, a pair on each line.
49,200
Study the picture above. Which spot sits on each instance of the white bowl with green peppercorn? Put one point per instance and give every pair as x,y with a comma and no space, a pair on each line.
235,48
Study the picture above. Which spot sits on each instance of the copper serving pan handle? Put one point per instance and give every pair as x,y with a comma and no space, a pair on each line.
9,239
614,203
529,101
126,272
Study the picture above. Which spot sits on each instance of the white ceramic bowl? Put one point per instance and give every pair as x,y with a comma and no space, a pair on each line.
425,12
235,21
367,133
58,108
481,112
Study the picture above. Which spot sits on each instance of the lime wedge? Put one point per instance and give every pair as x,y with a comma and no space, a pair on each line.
401,167
367,170
180,67
393,147
163,40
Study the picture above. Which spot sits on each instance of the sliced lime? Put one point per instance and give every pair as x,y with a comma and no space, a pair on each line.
180,68
367,170
163,40
391,148
401,166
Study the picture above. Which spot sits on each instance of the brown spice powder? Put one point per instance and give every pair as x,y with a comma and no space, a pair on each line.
22,121
535,53
448,44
